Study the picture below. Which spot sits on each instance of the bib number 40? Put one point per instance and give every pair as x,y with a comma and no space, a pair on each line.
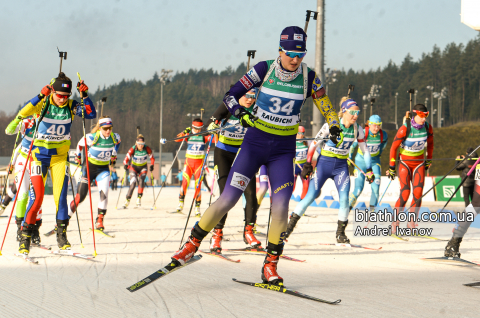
58,130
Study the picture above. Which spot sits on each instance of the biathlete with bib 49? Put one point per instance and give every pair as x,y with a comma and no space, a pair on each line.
102,145
284,85
50,151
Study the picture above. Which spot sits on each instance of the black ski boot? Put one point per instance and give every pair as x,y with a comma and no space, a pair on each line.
341,237
453,247
62,235
291,224
19,221
36,233
24,246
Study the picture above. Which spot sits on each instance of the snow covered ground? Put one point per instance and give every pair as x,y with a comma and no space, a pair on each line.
391,281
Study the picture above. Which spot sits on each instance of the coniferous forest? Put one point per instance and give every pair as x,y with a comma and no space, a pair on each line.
132,103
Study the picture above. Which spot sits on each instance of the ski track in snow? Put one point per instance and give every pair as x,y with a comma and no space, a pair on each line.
370,283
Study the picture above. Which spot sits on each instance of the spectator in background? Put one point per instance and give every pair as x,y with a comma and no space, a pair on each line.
163,178
180,177
469,184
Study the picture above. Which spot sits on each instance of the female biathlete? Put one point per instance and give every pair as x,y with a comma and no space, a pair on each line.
102,145
193,162
27,129
50,151
285,83
139,155
412,138
333,164
376,140
229,142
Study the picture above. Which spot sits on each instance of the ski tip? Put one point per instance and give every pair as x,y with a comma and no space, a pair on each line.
234,279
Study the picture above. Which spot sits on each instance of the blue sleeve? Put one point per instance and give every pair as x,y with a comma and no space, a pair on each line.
384,143
90,111
352,149
119,141
253,78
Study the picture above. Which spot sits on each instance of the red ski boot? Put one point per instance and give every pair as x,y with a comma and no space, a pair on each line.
269,270
99,222
249,238
186,252
216,241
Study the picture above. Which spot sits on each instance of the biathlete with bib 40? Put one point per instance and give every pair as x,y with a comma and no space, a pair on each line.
50,151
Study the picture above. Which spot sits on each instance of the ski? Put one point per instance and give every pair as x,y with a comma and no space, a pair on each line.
220,255
262,251
452,260
176,212
476,284
255,232
43,247
103,233
399,237
50,233
71,253
26,258
282,289
352,245
310,215
428,237
160,273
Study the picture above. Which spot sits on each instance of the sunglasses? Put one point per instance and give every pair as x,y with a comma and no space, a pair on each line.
300,133
293,54
249,95
354,112
62,95
372,123
421,114
140,143
107,128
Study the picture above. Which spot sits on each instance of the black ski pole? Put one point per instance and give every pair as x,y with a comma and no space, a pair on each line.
76,208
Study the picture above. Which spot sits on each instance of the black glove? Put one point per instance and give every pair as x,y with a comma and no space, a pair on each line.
113,162
370,176
428,163
151,168
125,167
306,170
246,119
336,135
391,172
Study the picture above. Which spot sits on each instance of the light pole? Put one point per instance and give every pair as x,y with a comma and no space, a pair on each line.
415,97
330,78
396,124
431,89
365,99
163,78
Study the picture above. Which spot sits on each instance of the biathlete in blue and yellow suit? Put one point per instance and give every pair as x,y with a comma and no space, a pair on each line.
332,164
284,85
376,140
50,151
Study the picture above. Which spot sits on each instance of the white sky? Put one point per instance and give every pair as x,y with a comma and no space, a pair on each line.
110,40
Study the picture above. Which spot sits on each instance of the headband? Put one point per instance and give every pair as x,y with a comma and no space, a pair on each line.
105,122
